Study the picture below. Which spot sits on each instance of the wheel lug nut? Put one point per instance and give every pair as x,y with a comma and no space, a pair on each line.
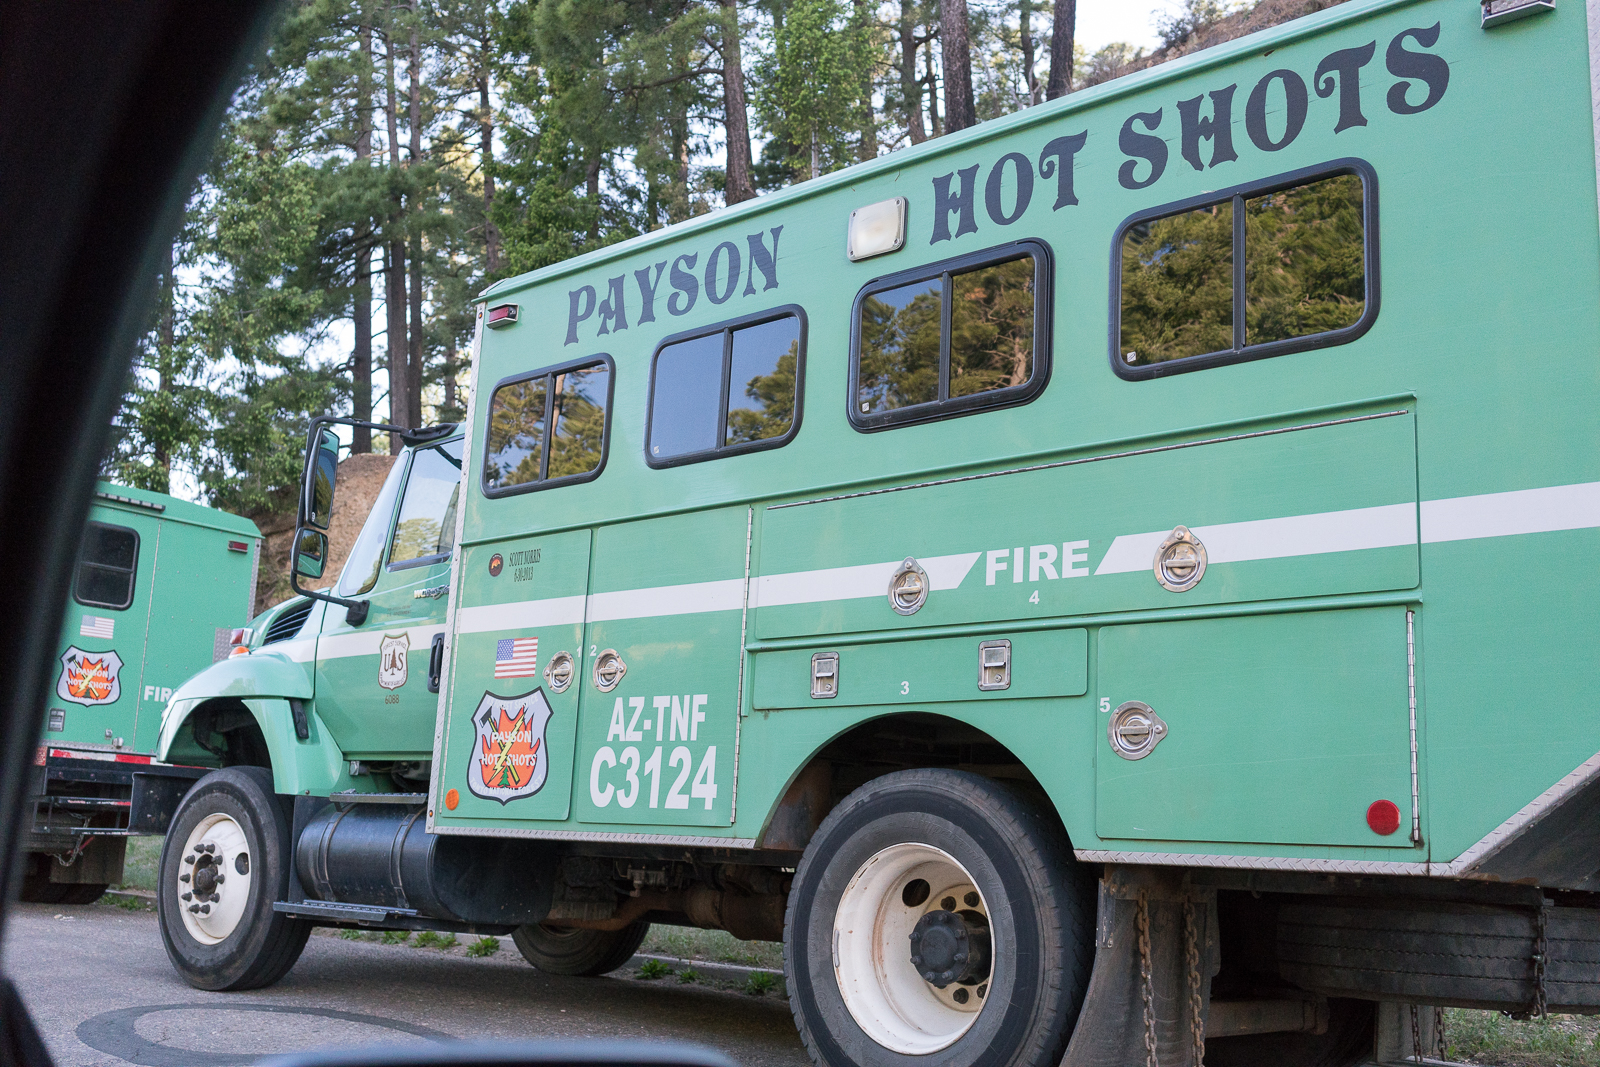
960,996
220,879
194,908
971,900
961,957
188,859
205,909
187,896
184,877
948,903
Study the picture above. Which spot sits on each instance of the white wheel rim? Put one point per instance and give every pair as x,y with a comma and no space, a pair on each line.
216,857
881,987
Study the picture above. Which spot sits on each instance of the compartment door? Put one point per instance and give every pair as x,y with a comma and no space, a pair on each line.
1281,729
508,732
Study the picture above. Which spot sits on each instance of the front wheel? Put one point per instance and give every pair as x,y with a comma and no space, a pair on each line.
563,950
938,919
224,864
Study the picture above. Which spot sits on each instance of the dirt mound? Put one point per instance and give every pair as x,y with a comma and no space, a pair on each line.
359,480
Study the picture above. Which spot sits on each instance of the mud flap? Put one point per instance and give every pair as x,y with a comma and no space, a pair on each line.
1156,951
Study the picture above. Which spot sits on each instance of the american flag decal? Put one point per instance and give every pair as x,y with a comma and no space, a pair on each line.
516,657
97,626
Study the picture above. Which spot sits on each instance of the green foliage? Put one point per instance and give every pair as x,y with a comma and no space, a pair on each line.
760,983
688,974
396,937
434,939
483,947
350,935
653,969
130,903
1550,1041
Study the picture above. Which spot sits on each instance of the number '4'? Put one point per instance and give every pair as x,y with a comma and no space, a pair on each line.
705,778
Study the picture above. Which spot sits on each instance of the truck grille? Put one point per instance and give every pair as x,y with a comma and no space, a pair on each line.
287,624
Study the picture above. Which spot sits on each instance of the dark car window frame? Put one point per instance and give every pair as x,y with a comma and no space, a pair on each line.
399,505
951,407
1238,194
597,359
132,572
727,327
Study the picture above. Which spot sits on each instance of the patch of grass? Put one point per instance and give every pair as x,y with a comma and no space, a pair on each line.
350,935
139,869
760,983
653,969
715,945
688,974
396,937
1487,1037
434,939
484,946
129,903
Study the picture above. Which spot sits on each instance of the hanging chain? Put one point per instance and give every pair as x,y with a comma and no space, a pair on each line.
1416,1036
77,850
1540,953
1438,1033
1147,990
1197,1034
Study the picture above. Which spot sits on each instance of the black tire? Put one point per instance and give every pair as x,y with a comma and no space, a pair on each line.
1352,1025
1040,905
264,944
564,950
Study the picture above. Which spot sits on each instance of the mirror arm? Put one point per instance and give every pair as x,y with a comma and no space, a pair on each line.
355,610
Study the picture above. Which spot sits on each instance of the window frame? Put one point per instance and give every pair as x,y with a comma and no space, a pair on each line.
727,327
544,458
389,565
133,572
1245,353
952,407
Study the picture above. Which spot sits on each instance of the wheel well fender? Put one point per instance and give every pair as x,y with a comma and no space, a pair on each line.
897,740
255,732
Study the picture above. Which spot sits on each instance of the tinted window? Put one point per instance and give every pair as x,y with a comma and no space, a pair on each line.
547,427
963,336
731,388
1251,274
426,527
106,566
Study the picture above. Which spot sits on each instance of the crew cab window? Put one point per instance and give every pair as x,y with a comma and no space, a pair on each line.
1262,270
731,387
425,530
361,570
952,338
106,566
548,428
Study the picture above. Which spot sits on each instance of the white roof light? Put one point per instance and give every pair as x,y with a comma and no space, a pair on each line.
877,229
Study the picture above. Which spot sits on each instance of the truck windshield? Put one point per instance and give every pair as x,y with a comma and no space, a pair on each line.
361,570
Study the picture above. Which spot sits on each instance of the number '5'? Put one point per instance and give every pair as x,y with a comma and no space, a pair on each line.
1105,703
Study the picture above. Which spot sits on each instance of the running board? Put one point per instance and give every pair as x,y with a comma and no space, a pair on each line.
333,911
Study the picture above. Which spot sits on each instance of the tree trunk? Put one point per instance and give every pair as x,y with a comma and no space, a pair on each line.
1061,33
167,337
959,110
491,233
414,370
450,377
361,299
736,119
1025,17
867,120
592,188
932,79
394,302
910,84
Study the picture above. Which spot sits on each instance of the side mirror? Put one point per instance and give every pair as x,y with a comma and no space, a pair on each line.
310,553
322,468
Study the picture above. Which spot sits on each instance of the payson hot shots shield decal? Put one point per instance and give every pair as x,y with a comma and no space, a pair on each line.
89,678
509,757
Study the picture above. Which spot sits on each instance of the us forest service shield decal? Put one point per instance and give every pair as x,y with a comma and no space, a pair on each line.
509,757
392,660
89,678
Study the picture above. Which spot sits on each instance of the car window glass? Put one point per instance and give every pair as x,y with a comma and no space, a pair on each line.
1304,260
991,327
106,566
516,434
762,383
688,394
579,414
900,346
431,491
366,555
1177,286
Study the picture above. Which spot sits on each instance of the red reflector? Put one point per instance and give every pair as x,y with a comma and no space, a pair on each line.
500,315
238,546
1384,817
38,757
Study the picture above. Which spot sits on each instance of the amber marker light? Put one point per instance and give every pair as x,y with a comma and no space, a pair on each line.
1384,817
451,799
877,229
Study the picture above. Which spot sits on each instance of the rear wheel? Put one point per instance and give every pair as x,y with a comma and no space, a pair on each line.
224,864
938,919
564,950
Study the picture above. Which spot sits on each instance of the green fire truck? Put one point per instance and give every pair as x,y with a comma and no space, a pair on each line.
161,587
1107,586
